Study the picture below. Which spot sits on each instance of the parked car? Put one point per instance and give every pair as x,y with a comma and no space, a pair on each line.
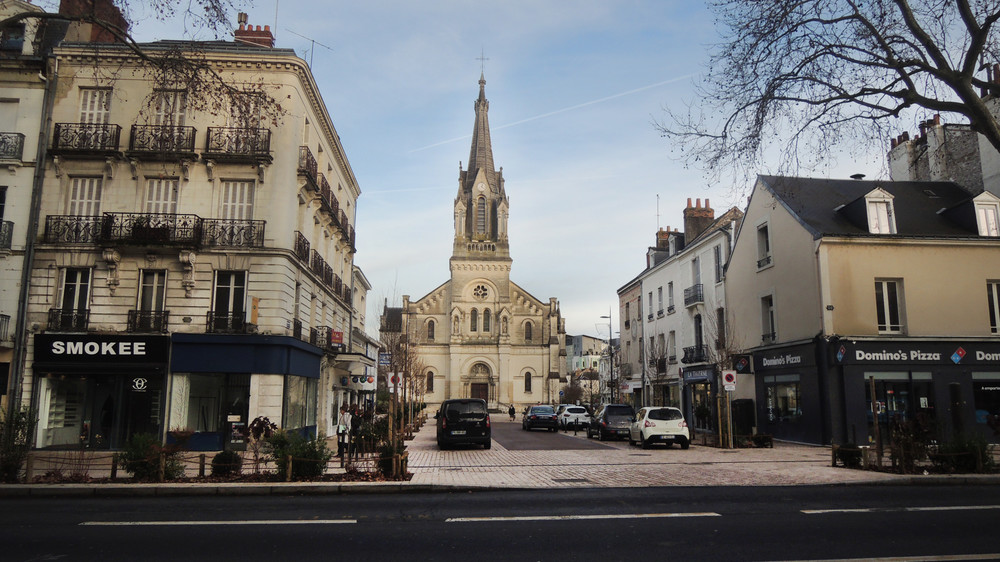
659,425
543,416
463,421
573,416
612,421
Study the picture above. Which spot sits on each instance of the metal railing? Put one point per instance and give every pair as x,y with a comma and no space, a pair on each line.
239,143
86,137
695,354
226,323
4,326
152,229
769,337
764,262
68,320
11,146
6,234
307,165
301,247
694,294
150,321
161,139
233,233
73,229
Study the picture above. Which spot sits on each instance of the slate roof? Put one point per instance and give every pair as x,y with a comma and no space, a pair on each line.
926,209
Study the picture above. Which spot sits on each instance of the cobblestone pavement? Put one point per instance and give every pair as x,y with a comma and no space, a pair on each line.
622,465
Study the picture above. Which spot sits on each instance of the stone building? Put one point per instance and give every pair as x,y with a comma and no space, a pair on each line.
479,334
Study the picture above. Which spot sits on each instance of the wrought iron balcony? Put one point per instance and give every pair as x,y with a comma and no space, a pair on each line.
338,285
226,323
161,141
769,337
347,294
86,138
316,263
694,294
239,144
11,146
4,327
68,320
764,262
152,229
328,274
233,233
308,166
301,247
695,354
324,191
149,321
325,337
6,234
670,309
73,229
297,329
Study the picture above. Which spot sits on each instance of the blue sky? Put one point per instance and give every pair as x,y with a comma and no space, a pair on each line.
573,85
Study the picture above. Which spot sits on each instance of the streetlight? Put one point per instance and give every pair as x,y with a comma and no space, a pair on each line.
611,357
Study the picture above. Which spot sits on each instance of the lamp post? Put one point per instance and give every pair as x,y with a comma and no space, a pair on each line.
611,358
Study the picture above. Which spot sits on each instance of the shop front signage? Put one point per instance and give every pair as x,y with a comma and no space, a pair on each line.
698,375
101,348
928,353
785,358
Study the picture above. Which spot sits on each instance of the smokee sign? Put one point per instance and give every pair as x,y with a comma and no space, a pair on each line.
101,348
975,353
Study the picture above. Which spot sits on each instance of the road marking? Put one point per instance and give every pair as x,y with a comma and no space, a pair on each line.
579,517
889,509
237,522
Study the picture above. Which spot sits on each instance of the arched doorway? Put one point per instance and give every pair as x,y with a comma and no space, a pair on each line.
480,383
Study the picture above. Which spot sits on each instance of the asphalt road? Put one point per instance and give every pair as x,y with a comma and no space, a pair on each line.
741,523
513,438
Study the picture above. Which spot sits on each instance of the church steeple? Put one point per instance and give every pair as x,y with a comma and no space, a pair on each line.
481,207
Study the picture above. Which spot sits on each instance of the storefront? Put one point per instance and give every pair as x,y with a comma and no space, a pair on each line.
699,396
939,388
222,382
97,390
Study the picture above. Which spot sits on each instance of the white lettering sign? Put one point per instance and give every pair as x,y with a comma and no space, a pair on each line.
126,348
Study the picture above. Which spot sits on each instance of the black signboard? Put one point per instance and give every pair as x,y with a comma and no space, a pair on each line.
100,349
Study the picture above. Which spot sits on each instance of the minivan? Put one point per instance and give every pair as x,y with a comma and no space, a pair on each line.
463,421
612,421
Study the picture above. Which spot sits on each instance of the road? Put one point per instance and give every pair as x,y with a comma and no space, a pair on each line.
513,438
704,523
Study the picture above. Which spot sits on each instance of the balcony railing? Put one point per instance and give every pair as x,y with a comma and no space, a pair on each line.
316,263
162,140
694,294
226,323
73,229
239,144
695,354
6,234
324,190
148,321
323,336
308,166
11,146
670,309
4,327
764,262
769,337
232,233
297,329
152,229
84,138
328,274
338,285
301,247
68,320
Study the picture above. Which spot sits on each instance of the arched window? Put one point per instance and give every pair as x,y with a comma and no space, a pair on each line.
527,382
486,320
481,215
527,331
430,330
474,320
430,382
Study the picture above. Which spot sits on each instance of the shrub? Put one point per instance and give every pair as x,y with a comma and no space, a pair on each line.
141,458
227,463
386,453
16,429
309,456
964,453
850,455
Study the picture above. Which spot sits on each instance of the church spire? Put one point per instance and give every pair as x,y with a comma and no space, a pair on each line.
481,153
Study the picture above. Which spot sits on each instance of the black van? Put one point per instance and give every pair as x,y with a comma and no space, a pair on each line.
463,420
612,421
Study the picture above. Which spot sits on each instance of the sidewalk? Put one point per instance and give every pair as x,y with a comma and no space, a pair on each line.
618,465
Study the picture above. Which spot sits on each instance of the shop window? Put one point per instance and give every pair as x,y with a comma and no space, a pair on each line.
299,405
783,402
986,396
993,302
888,306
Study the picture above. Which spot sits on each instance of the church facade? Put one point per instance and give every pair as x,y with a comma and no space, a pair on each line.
479,334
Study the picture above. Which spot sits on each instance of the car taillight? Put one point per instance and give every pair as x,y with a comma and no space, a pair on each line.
487,421
531,417
565,415
684,423
444,423
648,424
604,423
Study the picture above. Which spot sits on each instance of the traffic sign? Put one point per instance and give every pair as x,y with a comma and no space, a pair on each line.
729,380
384,359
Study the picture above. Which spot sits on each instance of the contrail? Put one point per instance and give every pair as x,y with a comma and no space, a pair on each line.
558,111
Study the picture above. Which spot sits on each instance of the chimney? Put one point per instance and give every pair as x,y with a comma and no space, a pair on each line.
248,34
663,239
697,219
101,10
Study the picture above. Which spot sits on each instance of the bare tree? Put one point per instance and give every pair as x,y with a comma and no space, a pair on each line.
814,75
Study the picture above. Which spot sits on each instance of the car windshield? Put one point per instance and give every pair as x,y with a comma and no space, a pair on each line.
665,414
619,411
576,410
465,410
542,410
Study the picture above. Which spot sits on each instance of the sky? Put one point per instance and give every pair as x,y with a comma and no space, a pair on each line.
574,88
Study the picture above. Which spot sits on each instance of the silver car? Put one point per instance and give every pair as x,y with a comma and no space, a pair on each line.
659,425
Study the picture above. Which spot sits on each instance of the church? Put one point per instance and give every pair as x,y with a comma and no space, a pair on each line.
479,334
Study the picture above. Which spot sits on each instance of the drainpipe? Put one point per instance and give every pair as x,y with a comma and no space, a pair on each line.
21,331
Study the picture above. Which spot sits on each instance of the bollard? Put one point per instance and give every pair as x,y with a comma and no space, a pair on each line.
288,470
163,466
28,468
114,466
201,464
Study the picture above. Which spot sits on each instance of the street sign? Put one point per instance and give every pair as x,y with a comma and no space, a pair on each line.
729,380
384,359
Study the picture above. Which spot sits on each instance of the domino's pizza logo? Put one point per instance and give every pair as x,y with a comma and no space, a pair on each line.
841,353
958,355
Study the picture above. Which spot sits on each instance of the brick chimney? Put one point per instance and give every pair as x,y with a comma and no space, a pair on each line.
697,219
102,10
247,34
663,239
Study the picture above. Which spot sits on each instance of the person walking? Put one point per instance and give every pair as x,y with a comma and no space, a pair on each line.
355,431
343,431
511,412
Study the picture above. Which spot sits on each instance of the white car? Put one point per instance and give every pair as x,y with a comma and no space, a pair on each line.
659,424
570,416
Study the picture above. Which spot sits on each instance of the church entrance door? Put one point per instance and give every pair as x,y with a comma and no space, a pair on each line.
480,390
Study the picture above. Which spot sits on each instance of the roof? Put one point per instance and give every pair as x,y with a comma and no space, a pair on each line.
830,207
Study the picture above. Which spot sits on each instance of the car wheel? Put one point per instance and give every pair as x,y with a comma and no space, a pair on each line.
487,444
631,441
685,444
669,444
589,435
643,442
600,435
442,446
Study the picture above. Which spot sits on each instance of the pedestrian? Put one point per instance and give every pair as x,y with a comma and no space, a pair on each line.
343,431
355,431
510,412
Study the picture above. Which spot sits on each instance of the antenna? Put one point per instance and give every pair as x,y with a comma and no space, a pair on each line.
312,46
657,212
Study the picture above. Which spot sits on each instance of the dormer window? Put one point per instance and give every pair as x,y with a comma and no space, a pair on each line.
881,217
988,218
